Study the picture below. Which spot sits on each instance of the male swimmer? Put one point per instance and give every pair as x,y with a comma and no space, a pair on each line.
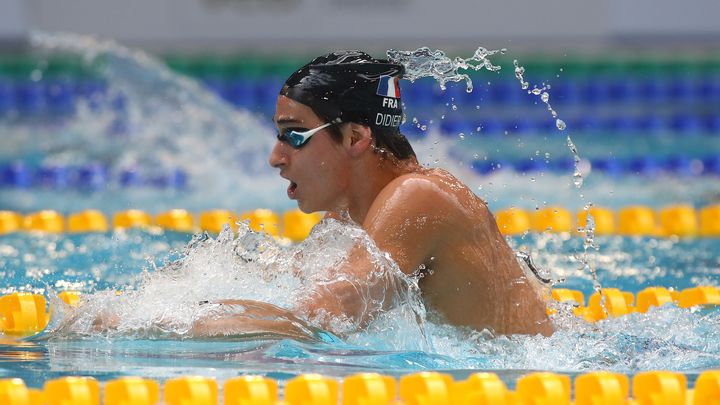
340,146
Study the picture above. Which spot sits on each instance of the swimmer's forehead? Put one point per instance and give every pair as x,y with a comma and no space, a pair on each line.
293,112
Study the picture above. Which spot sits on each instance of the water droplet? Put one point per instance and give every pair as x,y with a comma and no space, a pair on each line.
461,136
454,107
560,124
545,97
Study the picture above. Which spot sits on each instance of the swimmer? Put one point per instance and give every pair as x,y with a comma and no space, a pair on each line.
340,147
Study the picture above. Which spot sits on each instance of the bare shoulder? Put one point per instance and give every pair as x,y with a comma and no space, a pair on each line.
431,194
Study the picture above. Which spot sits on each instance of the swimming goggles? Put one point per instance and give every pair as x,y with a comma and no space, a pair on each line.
297,137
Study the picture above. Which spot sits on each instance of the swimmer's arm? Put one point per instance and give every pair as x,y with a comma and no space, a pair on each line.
252,317
349,295
406,222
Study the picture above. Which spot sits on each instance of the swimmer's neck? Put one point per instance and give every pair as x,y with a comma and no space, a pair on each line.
368,177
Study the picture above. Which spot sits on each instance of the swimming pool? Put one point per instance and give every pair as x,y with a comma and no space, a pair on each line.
131,141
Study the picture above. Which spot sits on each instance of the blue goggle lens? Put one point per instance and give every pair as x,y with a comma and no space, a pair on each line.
293,137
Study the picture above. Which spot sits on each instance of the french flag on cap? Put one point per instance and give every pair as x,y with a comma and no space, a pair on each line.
388,87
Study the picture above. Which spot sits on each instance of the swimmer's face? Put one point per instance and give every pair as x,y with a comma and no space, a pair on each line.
318,171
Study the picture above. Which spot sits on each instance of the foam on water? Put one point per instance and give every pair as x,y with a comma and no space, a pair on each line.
253,266
163,302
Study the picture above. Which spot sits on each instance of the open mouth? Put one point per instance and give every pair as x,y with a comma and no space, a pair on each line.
291,189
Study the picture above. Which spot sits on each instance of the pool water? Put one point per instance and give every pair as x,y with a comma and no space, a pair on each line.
664,338
148,122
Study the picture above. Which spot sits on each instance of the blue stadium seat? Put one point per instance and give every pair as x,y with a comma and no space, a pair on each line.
620,124
651,90
564,92
622,90
547,125
708,89
594,91
680,89
686,124
587,123
240,93
522,126
418,94
266,93
7,96
711,124
505,92
60,96
30,97
490,126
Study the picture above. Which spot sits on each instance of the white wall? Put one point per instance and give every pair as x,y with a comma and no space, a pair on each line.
258,24
12,20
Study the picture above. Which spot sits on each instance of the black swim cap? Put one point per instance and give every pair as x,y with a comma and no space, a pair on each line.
354,87
350,85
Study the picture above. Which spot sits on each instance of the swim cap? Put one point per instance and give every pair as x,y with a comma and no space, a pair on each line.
350,85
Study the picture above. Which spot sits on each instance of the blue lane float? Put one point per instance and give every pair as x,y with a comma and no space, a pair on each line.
643,165
89,177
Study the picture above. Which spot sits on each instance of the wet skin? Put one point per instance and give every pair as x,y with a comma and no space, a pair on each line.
424,218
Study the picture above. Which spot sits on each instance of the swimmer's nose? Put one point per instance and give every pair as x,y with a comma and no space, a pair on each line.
278,157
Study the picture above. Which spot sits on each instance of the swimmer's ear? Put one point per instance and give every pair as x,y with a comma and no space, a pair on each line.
358,139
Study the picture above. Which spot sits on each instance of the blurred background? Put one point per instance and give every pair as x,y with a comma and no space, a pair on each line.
302,25
141,108
88,116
